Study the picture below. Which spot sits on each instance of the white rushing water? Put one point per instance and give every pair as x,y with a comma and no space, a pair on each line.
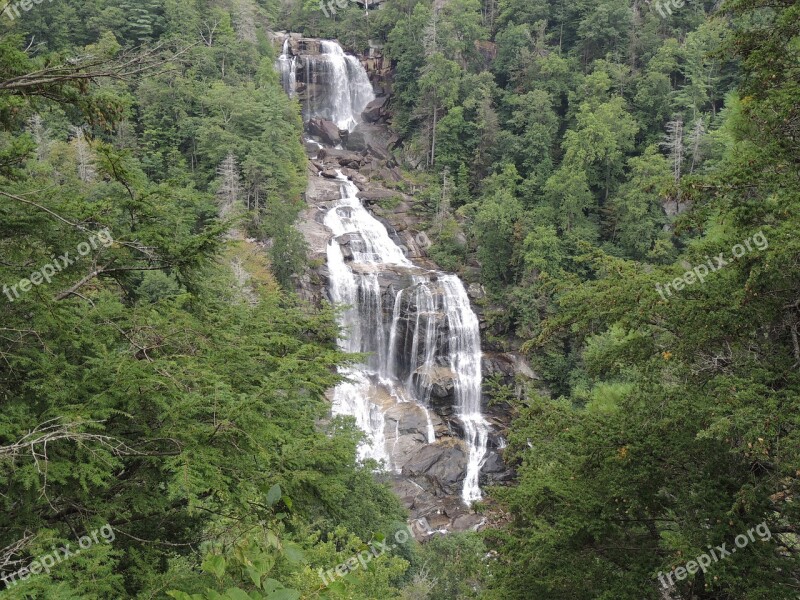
432,329
287,67
349,87
346,83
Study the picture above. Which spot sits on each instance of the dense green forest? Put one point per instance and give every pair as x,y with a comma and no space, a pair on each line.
623,180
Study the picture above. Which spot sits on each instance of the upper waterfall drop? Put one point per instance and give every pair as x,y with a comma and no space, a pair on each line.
287,67
350,88
336,85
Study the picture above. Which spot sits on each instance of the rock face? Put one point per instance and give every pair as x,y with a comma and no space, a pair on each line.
327,131
375,110
438,468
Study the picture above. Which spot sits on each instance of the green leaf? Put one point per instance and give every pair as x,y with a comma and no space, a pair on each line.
294,553
215,564
270,585
178,595
272,539
337,586
273,495
255,575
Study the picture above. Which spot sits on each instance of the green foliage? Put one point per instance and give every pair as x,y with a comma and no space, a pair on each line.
673,434
162,380
456,563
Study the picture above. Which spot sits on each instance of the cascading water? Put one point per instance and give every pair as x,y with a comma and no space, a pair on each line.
287,67
421,336
349,87
346,84
433,333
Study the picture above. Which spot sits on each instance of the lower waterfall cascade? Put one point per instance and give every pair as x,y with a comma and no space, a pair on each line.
432,327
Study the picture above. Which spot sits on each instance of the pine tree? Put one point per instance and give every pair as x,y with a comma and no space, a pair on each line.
695,139
41,136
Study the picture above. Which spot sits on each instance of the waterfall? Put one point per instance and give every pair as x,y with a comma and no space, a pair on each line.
433,334
337,87
415,326
287,67
346,84
464,346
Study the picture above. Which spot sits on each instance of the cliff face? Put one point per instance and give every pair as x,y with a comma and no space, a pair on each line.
428,475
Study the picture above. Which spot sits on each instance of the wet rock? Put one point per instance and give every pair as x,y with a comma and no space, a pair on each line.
440,381
340,158
407,418
493,464
495,471
357,141
375,110
312,149
406,431
361,181
330,174
439,468
469,522
455,426
327,131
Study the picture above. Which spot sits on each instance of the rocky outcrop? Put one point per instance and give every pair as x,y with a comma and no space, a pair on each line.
375,110
326,131
438,468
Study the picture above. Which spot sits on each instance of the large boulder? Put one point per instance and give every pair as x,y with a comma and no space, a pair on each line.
357,140
373,112
439,468
332,157
495,471
439,380
327,131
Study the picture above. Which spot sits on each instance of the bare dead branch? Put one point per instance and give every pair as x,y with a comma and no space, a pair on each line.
92,69
34,443
8,553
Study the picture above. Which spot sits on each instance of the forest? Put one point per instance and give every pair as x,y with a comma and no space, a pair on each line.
622,180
